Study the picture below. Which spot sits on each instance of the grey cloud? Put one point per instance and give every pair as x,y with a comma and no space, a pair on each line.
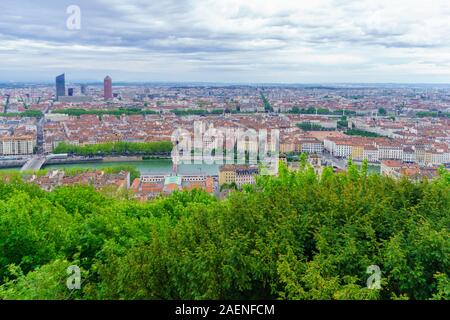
186,32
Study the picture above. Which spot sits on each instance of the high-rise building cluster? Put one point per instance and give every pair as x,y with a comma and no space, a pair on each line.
60,83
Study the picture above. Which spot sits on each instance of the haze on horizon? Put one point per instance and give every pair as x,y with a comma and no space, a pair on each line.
229,41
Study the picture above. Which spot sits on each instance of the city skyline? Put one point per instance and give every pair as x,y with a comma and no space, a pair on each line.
228,42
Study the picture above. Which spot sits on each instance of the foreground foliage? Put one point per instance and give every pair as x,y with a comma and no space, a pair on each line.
298,236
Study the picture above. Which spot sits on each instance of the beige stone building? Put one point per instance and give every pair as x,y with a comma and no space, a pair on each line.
17,145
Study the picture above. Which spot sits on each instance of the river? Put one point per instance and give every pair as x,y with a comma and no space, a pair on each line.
154,166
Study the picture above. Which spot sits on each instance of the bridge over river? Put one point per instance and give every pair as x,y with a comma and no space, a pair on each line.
37,161
34,163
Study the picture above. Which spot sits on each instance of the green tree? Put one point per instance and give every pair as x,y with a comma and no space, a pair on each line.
382,111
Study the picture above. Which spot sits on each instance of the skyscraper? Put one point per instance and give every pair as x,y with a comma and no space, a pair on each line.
70,92
107,87
83,89
60,86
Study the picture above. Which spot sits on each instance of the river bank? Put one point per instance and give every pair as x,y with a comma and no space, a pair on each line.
8,164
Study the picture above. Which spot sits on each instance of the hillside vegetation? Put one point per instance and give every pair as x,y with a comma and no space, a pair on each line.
298,236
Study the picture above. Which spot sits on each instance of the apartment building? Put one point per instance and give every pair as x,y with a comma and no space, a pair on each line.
238,174
397,169
151,186
246,175
288,146
434,157
17,145
98,179
357,152
409,155
342,149
312,146
227,174
390,152
370,153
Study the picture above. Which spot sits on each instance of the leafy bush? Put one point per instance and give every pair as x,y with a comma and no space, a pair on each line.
296,236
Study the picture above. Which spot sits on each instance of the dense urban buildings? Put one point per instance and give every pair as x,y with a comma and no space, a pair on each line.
409,124
98,179
18,136
151,186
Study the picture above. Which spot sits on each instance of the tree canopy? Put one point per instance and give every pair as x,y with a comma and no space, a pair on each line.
295,236
116,112
116,148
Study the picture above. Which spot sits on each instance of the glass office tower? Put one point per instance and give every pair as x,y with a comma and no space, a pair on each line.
60,86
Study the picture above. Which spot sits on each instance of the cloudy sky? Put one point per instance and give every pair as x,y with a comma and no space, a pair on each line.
238,41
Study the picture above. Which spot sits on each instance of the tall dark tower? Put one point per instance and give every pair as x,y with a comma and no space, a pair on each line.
60,86
107,87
